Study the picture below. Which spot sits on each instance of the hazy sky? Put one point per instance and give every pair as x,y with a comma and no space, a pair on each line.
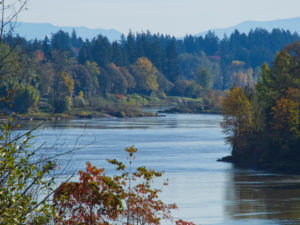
176,17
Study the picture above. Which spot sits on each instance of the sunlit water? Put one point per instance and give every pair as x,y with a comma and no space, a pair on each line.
186,147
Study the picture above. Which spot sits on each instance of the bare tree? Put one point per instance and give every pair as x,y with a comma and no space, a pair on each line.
27,171
25,180
10,9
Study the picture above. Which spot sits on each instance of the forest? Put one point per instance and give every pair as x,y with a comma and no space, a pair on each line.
252,79
261,108
64,73
263,122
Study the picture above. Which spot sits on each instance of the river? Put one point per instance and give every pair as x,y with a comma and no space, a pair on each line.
186,148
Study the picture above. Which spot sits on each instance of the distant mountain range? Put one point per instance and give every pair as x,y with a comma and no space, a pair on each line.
40,30
287,24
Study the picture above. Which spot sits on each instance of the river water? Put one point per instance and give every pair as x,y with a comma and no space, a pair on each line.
186,148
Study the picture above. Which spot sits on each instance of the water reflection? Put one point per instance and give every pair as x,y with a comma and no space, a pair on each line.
263,196
186,148
188,121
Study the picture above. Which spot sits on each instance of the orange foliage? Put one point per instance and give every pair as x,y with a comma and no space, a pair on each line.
124,199
286,115
181,222
142,203
243,78
40,55
96,199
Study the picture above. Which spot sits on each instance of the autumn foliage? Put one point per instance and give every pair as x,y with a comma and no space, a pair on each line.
126,198
263,123
95,199
145,74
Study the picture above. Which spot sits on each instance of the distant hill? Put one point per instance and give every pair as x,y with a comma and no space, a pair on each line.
287,24
40,30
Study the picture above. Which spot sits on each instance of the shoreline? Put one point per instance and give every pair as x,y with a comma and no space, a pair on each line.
90,114
96,114
192,109
179,111
280,167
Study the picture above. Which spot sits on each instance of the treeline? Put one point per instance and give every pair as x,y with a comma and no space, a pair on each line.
263,123
64,70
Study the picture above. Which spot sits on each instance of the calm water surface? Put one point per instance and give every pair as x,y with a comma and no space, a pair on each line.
186,148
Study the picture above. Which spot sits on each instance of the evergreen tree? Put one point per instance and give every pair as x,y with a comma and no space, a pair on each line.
101,50
131,48
46,47
117,54
171,67
85,53
61,41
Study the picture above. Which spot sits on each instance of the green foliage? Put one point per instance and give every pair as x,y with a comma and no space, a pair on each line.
10,63
25,98
203,78
237,117
263,123
188,67
145,75
94,71
163,83
82,80
62,94
137,100
194,90
24,181
64,105
265,93
171,70
61,41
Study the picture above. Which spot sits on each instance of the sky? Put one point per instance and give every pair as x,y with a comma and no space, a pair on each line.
175,17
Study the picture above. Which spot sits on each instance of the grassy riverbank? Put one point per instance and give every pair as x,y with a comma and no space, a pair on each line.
194,106
88,113
125,107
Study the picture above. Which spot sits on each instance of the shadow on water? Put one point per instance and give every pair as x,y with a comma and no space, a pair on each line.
186,148
252,195
188,121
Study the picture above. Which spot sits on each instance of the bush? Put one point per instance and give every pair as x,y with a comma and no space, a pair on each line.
63,105
26,98
128,198
24,180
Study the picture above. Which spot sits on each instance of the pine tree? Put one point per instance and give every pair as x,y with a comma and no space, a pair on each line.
171,67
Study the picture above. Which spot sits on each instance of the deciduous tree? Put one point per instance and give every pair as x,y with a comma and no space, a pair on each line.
145,75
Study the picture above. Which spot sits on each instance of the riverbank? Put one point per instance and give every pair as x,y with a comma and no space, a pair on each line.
88,113
194,107
283,167
186,147
127,107
186,110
